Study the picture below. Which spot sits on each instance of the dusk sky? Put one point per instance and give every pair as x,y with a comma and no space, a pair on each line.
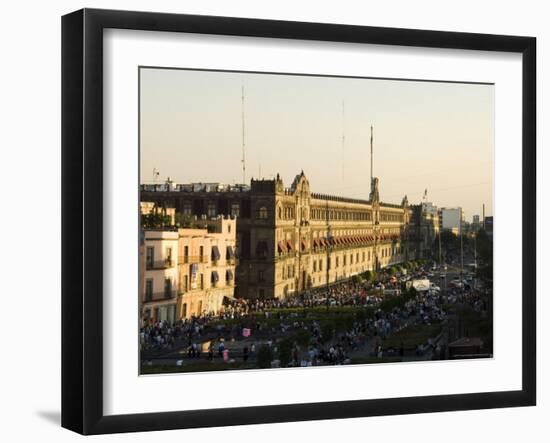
427,135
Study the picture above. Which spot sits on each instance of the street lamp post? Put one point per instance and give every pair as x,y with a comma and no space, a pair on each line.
461,255
475,259
329,243
441,267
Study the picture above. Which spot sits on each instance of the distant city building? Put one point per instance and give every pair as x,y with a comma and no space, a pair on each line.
292,239
430,209
476,223
488,223
452,219
426,224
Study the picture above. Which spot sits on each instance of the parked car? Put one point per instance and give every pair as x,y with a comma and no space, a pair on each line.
457,283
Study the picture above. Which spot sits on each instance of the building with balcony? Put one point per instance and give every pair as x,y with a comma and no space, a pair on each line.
187,272
288,239
206,266
159,274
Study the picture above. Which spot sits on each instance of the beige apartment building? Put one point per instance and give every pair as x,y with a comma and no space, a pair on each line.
160,277
187,271
207,261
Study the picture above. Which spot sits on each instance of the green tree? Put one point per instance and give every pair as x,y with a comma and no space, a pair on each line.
285,352
364,314
370,276
449,240
484,247
186,221
389,303
327,332
302,338
265,357
154,220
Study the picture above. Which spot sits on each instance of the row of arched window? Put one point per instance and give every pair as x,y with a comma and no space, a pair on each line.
390,217
321,214
288,212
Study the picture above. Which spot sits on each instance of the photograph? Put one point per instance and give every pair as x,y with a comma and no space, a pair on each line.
300,220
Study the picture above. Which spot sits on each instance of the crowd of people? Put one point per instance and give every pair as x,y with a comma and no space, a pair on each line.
273,320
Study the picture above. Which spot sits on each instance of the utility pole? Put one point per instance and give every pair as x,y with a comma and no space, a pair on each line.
243,159
461,245
441,267
475,258
343,139
440,263
461,253
371,156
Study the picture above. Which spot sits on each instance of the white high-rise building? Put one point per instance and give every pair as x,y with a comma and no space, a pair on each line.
452,219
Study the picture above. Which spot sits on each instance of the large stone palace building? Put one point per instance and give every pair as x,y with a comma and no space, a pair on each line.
290,239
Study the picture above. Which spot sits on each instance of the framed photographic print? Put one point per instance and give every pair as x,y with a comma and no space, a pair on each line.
269,221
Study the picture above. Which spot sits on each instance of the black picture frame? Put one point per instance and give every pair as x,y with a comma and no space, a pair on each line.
82,187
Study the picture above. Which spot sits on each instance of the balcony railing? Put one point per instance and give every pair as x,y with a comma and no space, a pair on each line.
193,259
160,264
160,296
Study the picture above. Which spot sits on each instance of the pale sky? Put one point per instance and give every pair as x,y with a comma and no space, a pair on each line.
427,135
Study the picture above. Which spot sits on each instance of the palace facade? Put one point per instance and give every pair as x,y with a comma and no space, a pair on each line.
289,239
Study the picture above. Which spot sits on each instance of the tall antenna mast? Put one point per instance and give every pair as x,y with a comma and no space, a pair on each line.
243,160
343,136
371,154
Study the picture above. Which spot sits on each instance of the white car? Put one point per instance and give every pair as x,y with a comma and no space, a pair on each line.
457,283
